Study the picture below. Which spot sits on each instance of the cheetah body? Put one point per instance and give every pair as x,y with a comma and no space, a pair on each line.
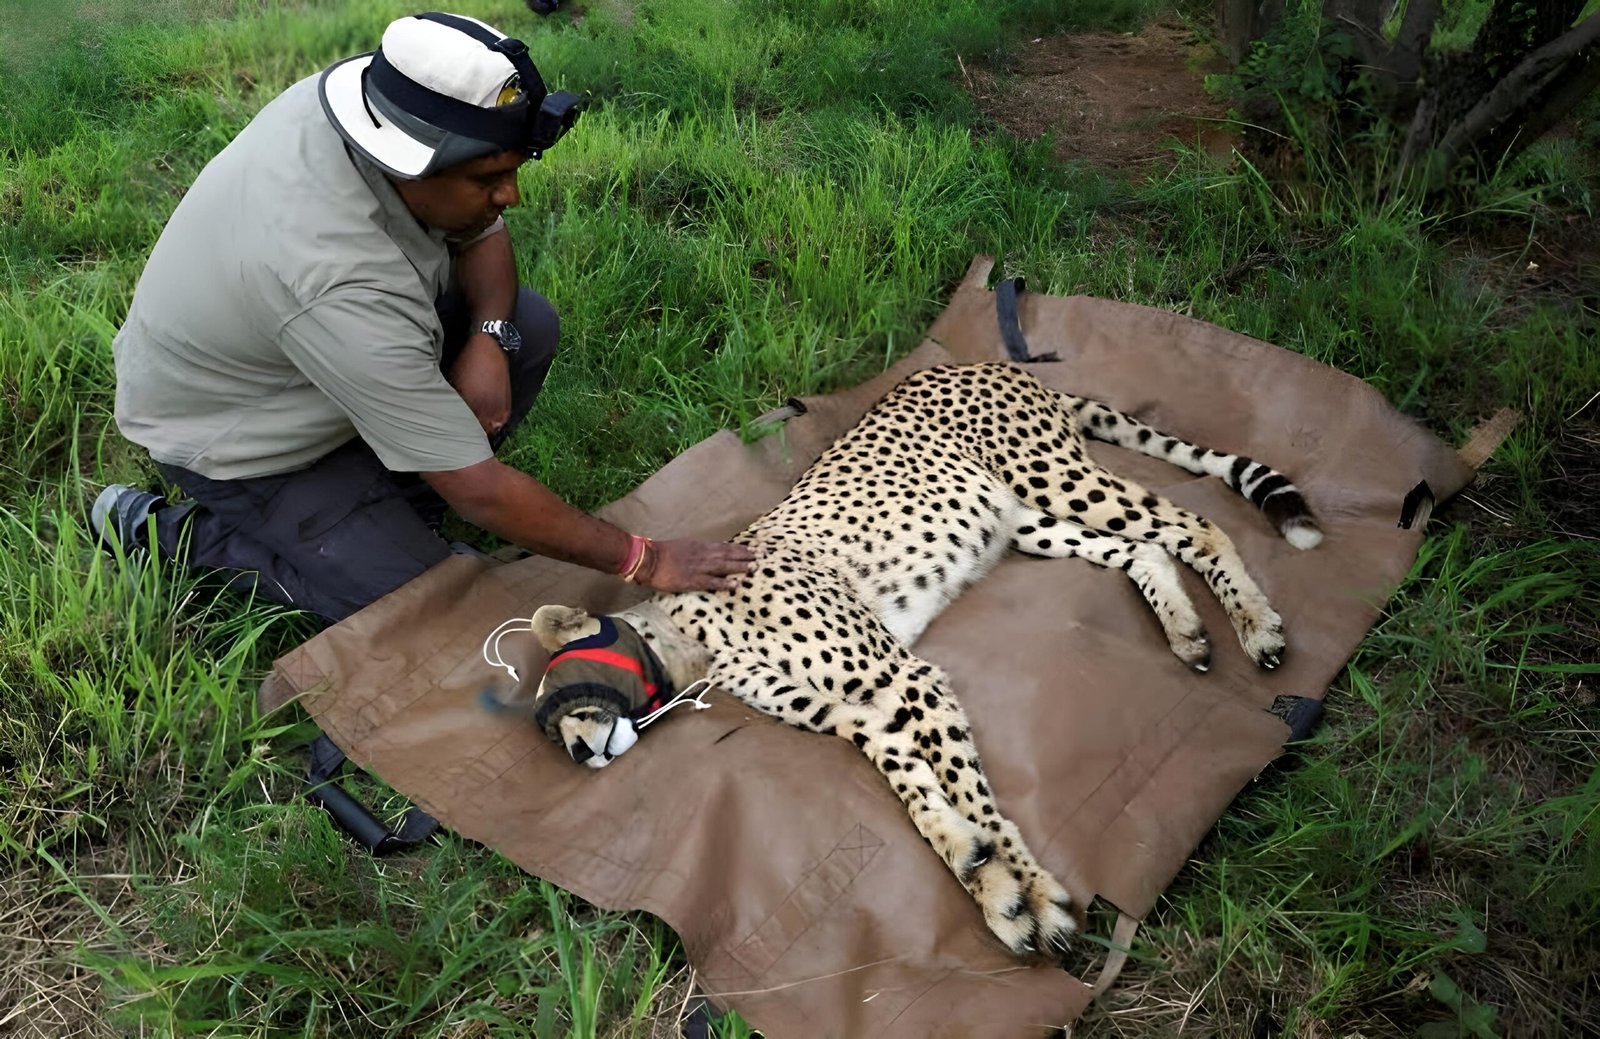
953,468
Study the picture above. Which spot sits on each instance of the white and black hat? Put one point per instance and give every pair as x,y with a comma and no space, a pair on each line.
442,89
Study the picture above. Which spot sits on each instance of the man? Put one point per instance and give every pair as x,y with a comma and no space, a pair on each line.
329,337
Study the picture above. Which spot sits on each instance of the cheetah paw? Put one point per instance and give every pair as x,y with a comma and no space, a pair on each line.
1003,898
1263,640
1054,914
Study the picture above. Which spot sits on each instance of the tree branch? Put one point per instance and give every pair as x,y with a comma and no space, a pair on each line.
1418,138
1516,89
1569,87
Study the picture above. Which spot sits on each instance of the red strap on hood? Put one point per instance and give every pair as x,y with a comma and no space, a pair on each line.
609,657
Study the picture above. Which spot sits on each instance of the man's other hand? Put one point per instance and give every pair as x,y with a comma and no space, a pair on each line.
483,378
697,566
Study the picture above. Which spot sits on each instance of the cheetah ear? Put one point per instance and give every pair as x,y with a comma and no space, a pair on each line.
555,626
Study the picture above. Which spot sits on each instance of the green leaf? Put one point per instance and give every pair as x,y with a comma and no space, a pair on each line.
1471,939
1446,991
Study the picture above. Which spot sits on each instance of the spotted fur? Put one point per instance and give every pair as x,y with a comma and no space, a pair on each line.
954,467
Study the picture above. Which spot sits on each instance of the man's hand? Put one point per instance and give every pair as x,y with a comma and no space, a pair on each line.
482,376
696,566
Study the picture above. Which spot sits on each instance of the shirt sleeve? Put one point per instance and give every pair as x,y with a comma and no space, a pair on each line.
377,363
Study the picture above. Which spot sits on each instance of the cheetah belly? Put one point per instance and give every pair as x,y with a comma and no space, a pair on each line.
945,531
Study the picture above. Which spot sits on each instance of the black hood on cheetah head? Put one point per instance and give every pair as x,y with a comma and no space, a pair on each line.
610,679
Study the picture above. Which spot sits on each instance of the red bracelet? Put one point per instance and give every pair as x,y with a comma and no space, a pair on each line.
638,551
635,550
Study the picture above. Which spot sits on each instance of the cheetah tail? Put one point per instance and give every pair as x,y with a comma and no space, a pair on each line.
1287,510
1269,489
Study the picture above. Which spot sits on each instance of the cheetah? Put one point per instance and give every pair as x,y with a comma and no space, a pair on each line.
953,467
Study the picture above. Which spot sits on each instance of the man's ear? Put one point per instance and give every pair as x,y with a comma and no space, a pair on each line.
555,626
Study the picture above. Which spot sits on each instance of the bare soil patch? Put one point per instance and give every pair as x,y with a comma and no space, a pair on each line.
1112,99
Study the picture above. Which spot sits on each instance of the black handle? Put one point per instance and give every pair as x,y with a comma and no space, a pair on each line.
1005,306
324,761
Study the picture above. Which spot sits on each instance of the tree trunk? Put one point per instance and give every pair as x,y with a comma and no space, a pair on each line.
1527,69
1242,22
1362,21
1405,57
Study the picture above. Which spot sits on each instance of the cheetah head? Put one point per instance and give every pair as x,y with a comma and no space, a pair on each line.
600,681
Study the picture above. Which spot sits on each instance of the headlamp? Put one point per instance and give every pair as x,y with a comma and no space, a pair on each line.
532,123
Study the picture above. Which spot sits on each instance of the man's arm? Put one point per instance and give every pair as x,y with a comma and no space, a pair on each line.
515,506
487,270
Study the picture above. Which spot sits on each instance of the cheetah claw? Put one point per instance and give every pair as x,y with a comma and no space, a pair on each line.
1194,650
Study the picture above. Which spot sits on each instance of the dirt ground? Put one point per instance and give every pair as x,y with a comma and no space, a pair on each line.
1114,100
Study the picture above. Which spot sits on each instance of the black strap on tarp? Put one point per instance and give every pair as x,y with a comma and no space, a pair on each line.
324,761
1299,713
1417,506
1005,305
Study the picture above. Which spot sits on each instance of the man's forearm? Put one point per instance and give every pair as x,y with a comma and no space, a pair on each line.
487,271
515,506
519,508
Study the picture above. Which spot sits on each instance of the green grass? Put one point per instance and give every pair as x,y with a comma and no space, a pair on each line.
773,198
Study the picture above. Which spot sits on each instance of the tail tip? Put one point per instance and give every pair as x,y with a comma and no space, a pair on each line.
1302,533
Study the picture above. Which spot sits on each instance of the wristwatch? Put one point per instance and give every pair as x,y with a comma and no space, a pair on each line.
506,334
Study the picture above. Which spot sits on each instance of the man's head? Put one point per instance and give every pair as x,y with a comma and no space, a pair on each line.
449,107
466,198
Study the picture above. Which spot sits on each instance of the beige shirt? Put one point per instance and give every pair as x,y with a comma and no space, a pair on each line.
288,307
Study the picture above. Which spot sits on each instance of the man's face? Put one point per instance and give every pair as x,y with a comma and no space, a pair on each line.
464,199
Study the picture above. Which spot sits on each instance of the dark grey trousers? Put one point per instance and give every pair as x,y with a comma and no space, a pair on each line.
344,531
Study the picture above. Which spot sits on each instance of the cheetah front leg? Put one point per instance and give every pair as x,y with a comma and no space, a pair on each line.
803,704
1150,568
944,739
1022,905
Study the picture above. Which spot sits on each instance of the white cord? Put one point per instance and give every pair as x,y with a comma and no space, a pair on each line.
491,645
679,701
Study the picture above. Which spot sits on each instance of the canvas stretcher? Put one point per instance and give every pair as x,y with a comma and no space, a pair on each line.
804,897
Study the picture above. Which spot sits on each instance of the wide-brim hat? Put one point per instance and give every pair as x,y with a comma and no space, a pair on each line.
434,94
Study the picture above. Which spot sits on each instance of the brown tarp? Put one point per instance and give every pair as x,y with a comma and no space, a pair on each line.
803,895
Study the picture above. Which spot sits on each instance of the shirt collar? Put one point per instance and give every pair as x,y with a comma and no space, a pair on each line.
420,243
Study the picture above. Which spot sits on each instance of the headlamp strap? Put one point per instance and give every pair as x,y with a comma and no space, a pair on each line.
515,51
507,126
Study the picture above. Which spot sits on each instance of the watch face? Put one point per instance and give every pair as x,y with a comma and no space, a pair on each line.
505,333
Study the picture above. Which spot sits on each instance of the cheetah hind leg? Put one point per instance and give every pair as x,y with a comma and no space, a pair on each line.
1112,505
1152,570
